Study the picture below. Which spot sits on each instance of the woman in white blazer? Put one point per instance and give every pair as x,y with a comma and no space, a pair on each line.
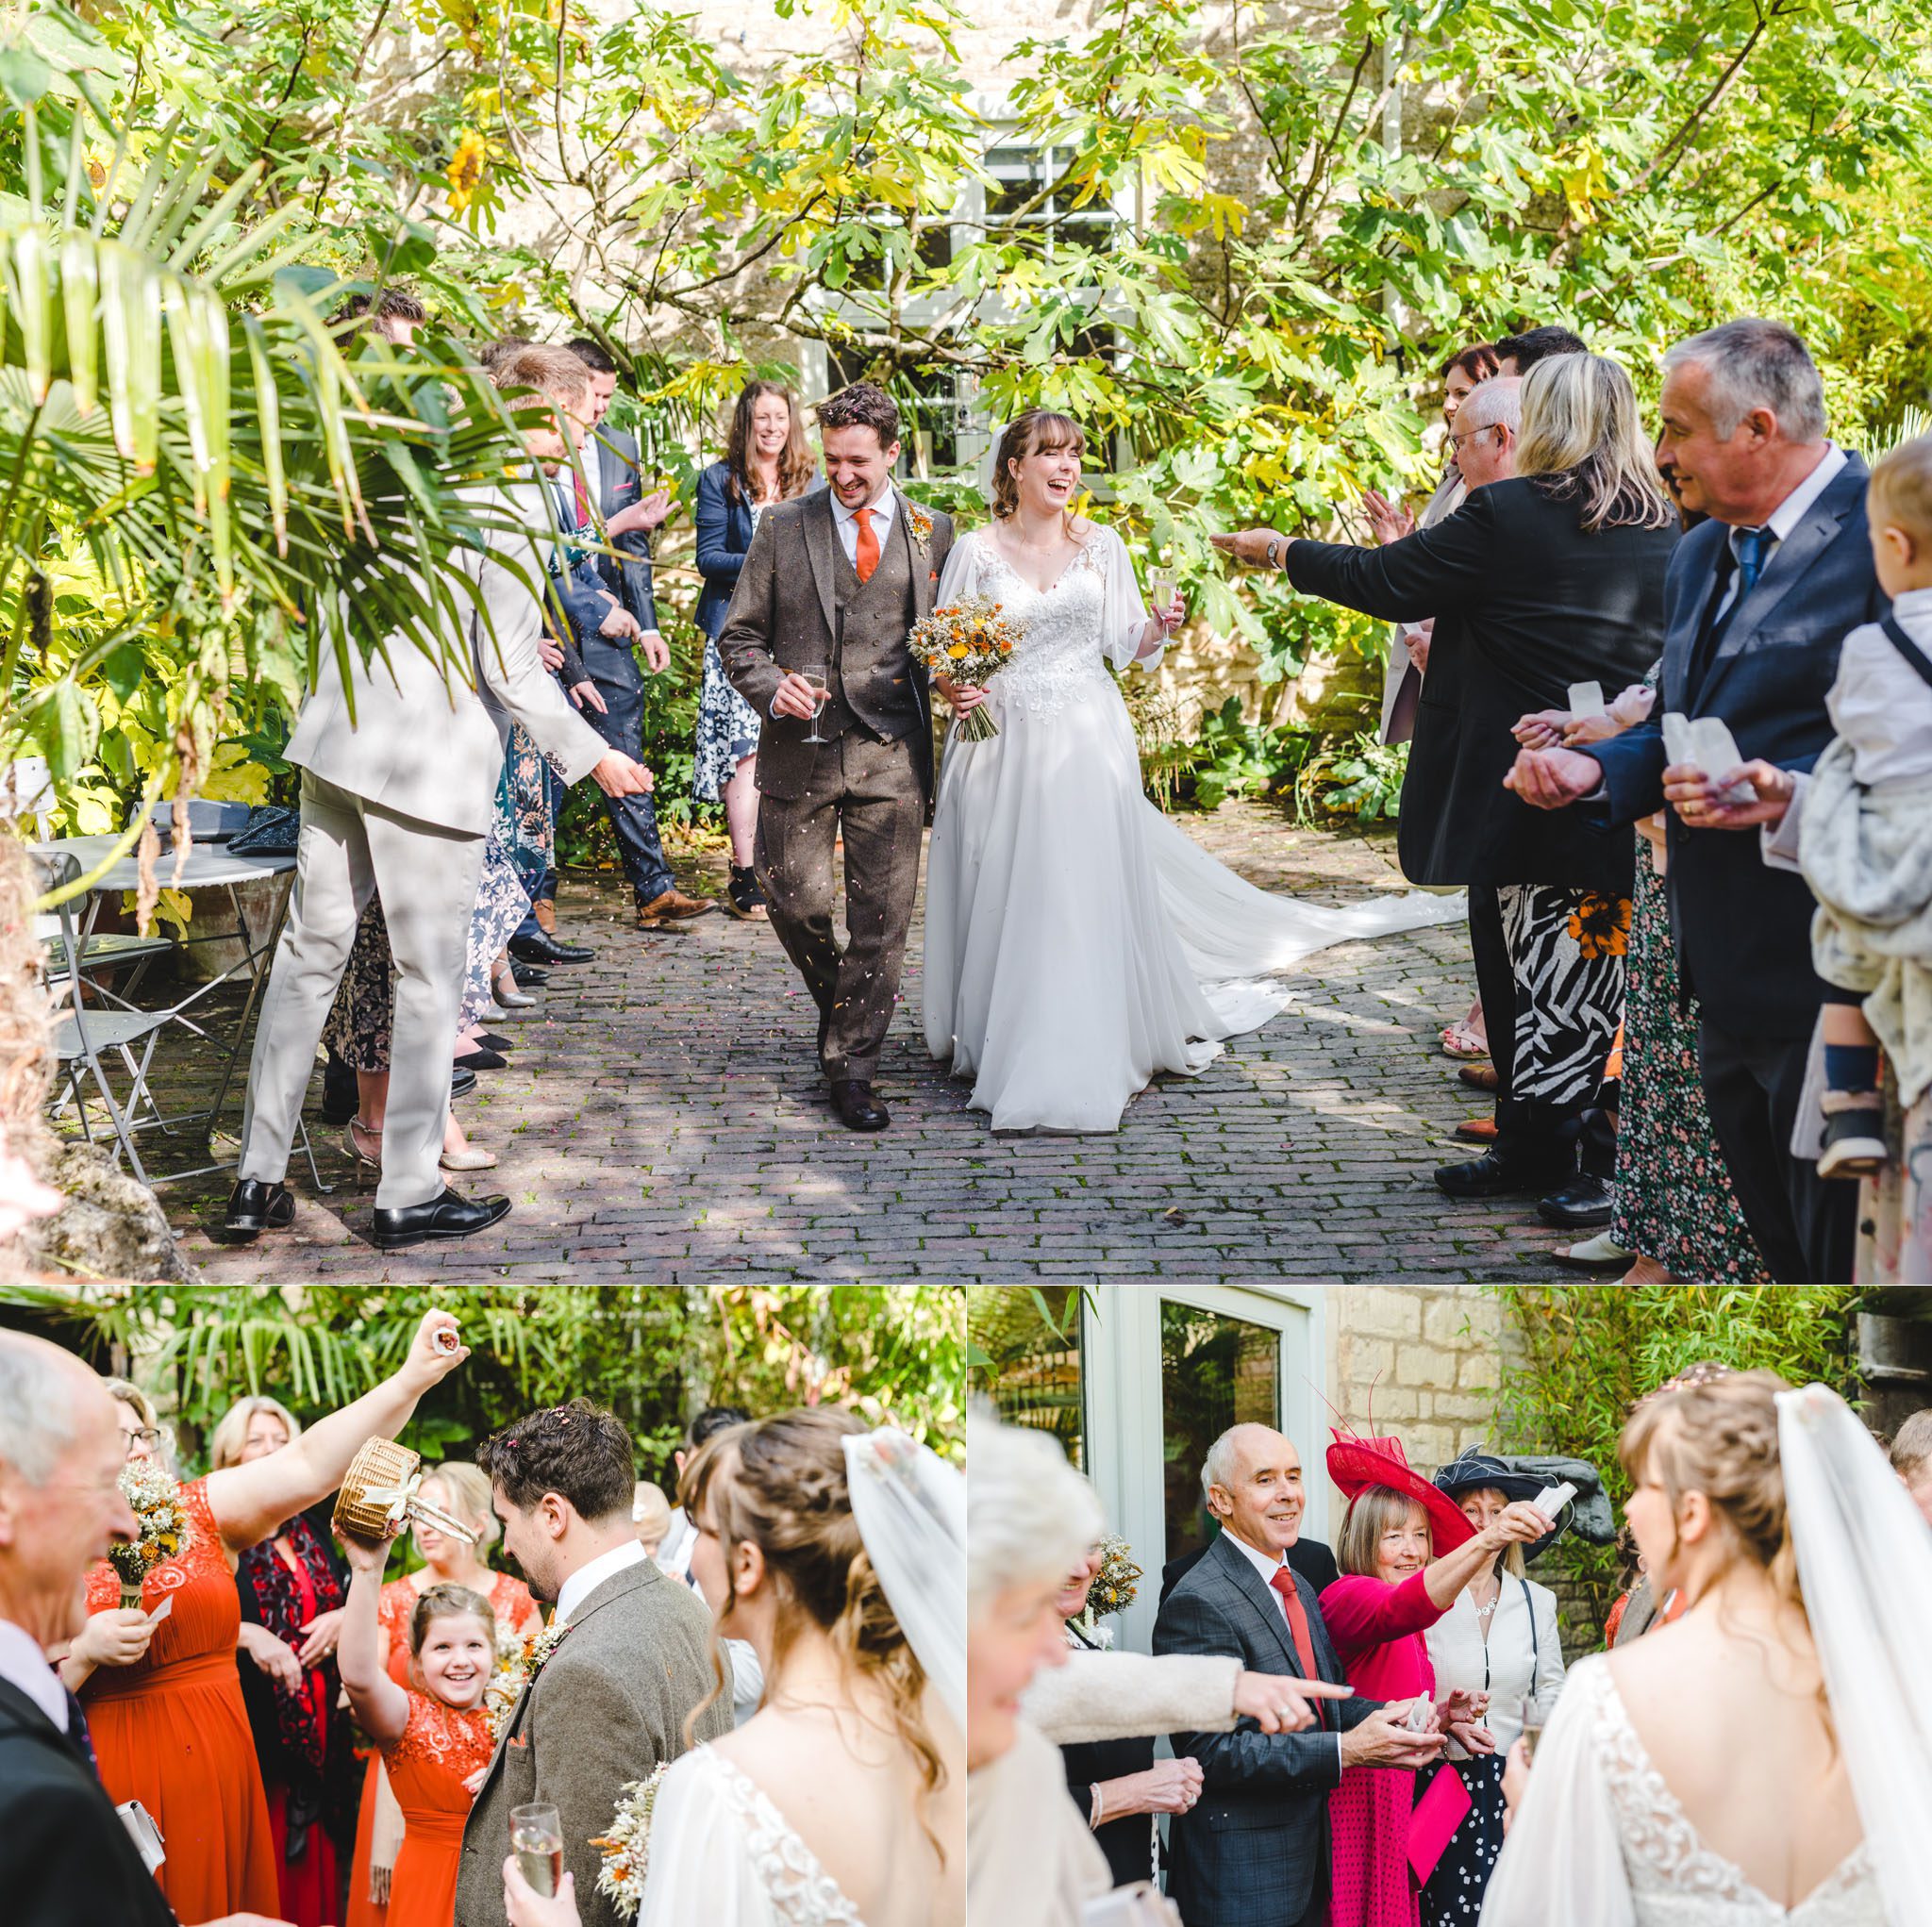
1500,1637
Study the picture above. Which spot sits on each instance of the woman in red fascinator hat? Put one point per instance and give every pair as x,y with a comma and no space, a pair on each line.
1406,1551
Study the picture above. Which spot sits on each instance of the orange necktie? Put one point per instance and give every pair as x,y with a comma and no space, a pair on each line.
867,557
1283,1582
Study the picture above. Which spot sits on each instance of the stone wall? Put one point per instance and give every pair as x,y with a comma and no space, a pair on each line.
1423,1362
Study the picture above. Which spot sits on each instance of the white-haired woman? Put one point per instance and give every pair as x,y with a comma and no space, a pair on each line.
1541,581
1030,1856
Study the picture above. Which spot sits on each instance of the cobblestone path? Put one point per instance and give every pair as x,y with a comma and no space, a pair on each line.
662,1122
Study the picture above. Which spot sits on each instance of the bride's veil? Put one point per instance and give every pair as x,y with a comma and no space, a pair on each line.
910,1509
1865,1562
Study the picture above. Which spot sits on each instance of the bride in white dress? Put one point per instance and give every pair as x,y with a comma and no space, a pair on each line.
840,1803
1077,942
1766,1761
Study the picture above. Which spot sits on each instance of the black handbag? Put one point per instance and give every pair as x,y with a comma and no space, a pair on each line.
272,829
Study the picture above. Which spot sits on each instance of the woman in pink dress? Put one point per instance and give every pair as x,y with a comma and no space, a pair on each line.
1406,1551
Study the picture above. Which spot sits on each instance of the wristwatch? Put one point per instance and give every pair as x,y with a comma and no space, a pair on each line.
1276,546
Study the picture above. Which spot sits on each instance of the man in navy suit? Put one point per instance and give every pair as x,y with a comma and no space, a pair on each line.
66,1859
1254,1850
1757,602
608,604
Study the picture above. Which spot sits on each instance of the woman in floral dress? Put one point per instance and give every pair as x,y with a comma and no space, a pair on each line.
766,460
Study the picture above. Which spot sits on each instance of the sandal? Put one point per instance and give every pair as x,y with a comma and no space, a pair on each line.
1459,1041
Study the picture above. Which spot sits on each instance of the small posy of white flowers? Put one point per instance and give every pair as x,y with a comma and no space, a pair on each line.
626,1848
516,1671
154,1495
1112,1589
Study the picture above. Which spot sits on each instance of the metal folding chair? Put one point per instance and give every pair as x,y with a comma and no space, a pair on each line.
82,1037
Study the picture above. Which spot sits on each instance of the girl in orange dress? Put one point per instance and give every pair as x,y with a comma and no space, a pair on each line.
163,1702
461,1490
434,1736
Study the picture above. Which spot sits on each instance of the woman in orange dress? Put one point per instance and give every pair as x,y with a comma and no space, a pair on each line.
434,1736
163,1701
461,1490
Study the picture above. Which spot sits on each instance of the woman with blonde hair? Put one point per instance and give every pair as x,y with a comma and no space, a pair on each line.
292,1587
461,1489
1550,575
169,1725
1768,1757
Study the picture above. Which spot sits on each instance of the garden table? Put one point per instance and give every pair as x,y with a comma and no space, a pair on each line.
208,867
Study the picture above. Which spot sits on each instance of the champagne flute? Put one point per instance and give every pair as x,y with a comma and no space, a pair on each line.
1161,584
814,673
535,1837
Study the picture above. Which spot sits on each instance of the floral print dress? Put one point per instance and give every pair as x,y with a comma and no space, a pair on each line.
727,731
1674,1202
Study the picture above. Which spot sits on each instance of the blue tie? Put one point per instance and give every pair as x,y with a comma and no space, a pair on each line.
1750,545
1747,547
77,1733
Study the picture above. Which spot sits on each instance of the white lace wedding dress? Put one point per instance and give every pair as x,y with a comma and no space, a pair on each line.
1076,941
1602,1839
722,1855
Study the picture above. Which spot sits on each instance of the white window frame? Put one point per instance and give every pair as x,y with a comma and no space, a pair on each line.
1121,1420
973,429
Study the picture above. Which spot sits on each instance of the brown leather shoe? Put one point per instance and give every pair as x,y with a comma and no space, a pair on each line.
1480,1076
545,910
1477,1130
673,906
858,1109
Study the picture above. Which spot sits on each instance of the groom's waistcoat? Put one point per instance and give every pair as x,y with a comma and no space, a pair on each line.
871,681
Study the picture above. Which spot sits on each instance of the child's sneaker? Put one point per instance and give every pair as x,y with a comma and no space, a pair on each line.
1855,1145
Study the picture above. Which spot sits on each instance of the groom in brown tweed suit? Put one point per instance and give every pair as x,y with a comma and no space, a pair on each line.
836,579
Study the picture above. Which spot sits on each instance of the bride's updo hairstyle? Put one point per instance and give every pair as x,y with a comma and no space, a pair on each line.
1714,1431
779,1485
1028,434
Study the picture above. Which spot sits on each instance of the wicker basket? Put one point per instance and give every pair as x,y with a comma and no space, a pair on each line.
387,1470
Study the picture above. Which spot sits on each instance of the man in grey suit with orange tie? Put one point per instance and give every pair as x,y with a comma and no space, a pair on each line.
835,581
397,798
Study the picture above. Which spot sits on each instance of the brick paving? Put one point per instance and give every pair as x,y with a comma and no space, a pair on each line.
663,1123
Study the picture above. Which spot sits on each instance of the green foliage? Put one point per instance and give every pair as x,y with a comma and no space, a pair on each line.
1579,1357
1363,779
653,1355
1229,757
1244,242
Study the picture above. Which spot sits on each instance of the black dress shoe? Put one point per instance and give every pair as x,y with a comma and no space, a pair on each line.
473,1061
448,1216
491,1041
255,1206
461,1083
1494,1175
1582,1205
858,1109
548,950
528,976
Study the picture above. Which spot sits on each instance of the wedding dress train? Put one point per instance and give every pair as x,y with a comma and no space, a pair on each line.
1076,941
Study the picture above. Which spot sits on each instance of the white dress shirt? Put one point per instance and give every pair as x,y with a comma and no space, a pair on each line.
1787,516
23,1664
845,521
1268,1567
587,1579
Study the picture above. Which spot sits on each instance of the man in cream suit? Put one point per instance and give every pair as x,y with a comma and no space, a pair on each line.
398,799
